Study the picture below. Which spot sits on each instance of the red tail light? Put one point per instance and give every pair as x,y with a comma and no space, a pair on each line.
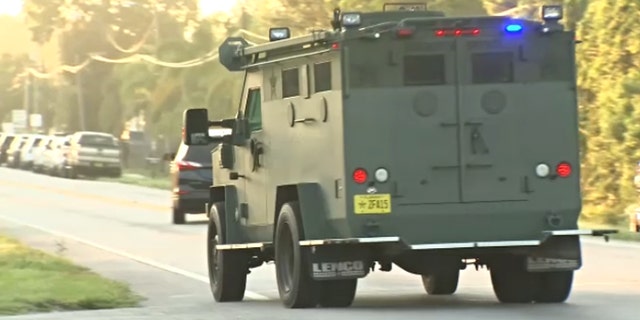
360,176
179,192
563,169
187,165
404,32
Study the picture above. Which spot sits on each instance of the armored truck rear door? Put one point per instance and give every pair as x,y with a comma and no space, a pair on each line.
489,105
426,132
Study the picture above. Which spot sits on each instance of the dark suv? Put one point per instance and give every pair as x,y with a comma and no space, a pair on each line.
191,177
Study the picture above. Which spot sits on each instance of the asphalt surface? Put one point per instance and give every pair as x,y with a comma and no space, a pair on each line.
124,232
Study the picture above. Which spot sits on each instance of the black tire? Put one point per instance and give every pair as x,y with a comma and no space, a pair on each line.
227,269
442,282
337,293
72,173
179,217
511,282
117,174
553,287
296,287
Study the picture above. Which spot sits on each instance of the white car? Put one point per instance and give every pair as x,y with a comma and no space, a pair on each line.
26,151
39,153
55,156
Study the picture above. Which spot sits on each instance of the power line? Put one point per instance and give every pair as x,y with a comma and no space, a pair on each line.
135,58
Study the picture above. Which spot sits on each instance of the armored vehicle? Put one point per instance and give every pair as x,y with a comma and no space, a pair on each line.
399,137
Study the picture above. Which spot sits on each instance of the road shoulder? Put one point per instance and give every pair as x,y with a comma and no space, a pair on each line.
161,289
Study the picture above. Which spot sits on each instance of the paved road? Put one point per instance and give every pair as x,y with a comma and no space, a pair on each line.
131,222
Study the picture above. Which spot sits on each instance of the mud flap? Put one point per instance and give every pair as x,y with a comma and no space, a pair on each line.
557,253
338,262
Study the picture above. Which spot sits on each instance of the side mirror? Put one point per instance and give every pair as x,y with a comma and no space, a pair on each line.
226,156
67,144
196,126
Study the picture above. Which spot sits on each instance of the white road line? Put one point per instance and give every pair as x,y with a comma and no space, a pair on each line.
249,294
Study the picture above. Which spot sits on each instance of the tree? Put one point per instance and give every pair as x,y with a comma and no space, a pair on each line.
608,95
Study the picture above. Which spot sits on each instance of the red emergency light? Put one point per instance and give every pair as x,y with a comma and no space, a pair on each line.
457,32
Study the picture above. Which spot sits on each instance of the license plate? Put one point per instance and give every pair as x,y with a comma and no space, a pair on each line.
372,203
551,264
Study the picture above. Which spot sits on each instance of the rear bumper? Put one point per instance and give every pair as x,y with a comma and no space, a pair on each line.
193,202
462,245
402,245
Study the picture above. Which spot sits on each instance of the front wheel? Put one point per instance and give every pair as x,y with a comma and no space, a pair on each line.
441,282
296,287
337,293
228,269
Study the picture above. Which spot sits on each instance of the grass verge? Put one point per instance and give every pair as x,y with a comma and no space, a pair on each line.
143,178
33,281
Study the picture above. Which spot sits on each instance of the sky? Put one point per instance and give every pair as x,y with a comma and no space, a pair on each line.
13,7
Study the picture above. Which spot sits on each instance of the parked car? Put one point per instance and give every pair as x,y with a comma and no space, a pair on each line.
191,176
93,154
13,152
5,142
27,149
55,156
634,221
39,153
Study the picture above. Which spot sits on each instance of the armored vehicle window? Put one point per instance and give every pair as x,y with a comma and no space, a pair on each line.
254,109
322,76
290,83
492,67
424,70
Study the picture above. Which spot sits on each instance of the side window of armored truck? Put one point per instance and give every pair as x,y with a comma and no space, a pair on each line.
254,109
424,70
290,82
492,67
322,76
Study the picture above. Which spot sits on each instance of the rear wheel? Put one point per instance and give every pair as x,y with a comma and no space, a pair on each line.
296,286
337,293
228,269
179,217
511,282
71,173
553,287
442,282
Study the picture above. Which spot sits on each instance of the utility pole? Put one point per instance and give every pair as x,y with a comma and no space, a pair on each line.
27,95
244,18
80,95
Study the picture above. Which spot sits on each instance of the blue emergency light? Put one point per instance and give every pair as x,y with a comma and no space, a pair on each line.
513,28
